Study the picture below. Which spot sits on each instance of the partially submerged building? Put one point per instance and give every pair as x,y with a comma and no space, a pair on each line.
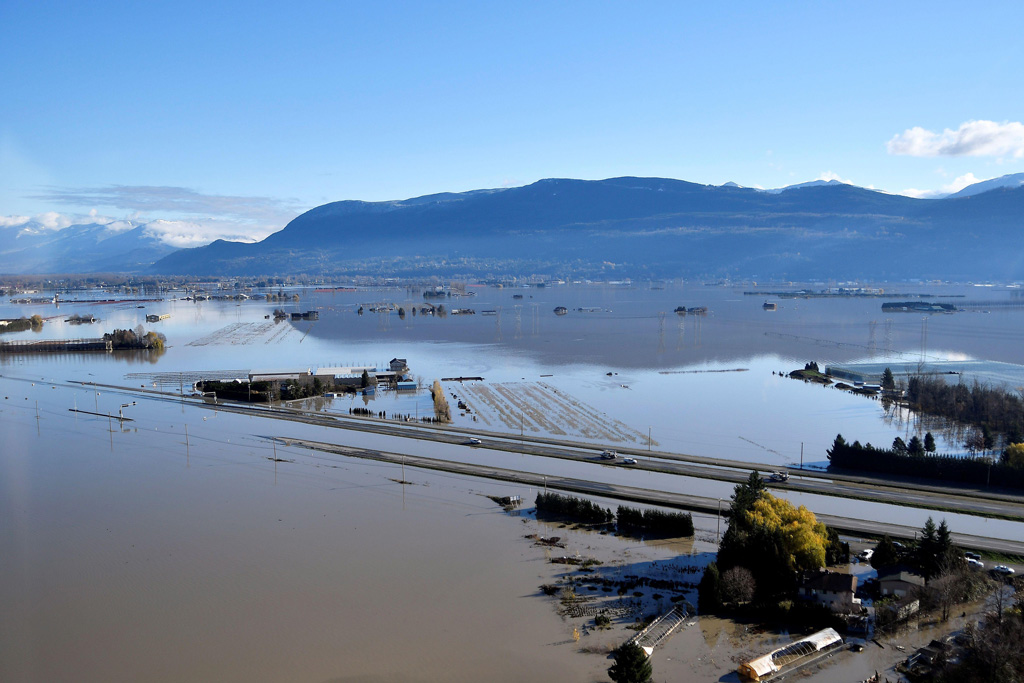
791,656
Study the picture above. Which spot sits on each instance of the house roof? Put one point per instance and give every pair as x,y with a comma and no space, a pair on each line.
904,575
834,582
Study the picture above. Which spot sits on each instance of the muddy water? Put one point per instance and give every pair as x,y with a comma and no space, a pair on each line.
142,564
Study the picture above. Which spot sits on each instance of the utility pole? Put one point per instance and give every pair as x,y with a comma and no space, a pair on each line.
187,453
648,439
801,455
719,533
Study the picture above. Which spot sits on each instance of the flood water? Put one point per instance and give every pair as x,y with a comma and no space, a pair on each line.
129,554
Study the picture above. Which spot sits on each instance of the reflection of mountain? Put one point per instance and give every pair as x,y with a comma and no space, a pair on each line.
90,248
643,227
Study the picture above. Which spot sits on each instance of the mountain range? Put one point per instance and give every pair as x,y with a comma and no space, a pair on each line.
619,227
122,246
643,227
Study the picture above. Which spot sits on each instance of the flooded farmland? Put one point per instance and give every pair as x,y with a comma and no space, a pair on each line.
134,550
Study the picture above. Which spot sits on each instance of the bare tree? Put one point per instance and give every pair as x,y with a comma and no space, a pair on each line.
738,585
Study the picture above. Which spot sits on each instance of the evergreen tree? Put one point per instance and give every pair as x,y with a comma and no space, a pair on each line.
929,442
745,495
899,446
709,590
888,382
631,665
885,555
915,447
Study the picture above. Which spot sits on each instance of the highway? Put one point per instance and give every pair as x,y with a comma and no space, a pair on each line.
917,494
636,494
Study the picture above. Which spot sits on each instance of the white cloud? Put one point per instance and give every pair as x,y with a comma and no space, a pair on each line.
958,184
972,138
12,221
183,234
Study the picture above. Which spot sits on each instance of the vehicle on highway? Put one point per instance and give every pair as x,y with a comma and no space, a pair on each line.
1003,569
972,556
473,441
975,564
778,476
629,461
866,555
608,455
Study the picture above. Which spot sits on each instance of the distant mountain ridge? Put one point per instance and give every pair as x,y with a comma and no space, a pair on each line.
642,227
123,246
1009,181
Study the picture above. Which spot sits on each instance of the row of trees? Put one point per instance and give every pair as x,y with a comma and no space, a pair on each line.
442,411
21,324
987,409
135,339
627,519
576,508
657,522
917,462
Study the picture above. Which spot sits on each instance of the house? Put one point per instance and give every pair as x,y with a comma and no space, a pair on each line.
308,315
899,582
398,365
834,590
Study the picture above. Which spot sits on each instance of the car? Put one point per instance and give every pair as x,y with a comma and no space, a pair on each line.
1003,569
473,441
975,564
608,455
629,461
972,556
778,476
866,554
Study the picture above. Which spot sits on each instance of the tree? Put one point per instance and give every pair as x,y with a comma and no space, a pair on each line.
631,665
1013,455
915,447
803,537
929,442
745,495
886,554
899,446
839,446
738,585
709,590
888,381
988,440
364,381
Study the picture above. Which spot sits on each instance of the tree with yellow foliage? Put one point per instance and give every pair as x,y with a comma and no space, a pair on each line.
803,537
771,538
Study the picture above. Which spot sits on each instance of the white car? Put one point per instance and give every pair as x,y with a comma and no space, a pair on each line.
1003,569
629,461
608,455
473,441
975,564
866,555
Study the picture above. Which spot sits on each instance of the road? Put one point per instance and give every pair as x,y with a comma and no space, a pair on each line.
636,494
911,493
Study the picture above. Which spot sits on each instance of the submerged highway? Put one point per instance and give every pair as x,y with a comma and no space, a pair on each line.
911,494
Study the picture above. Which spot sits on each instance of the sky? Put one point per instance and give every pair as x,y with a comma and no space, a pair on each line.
231,118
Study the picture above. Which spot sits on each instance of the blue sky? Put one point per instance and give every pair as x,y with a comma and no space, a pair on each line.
235,117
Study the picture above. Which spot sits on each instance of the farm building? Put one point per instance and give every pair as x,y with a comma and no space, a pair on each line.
791,656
